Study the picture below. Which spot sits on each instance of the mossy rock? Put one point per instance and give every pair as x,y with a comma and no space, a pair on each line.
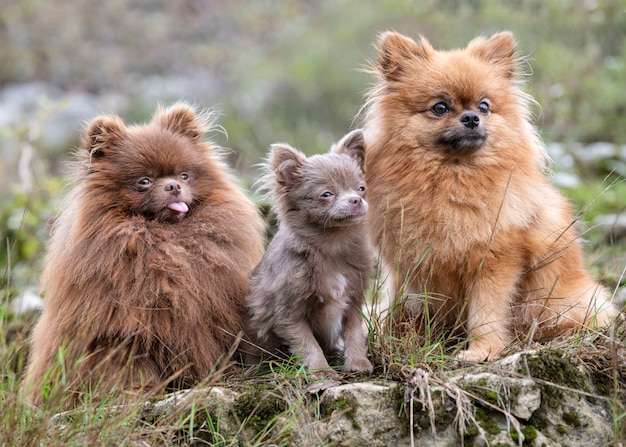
555,372
258,407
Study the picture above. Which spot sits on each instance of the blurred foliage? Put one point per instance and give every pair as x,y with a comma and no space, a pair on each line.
606,254
24,219
290,71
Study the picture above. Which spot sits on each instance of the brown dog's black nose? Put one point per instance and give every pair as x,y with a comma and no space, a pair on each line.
470,120
173,188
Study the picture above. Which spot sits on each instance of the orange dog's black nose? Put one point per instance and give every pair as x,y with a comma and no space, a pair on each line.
470,120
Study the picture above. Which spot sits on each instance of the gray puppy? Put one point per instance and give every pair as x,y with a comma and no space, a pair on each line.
308,290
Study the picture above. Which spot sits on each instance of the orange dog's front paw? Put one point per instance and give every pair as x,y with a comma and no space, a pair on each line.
477,354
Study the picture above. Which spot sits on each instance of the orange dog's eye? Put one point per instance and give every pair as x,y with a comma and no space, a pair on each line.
483,107
441,108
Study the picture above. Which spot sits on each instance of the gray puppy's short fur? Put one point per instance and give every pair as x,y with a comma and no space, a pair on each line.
308,290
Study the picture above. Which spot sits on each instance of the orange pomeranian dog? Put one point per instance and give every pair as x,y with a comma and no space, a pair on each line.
460,209
148,263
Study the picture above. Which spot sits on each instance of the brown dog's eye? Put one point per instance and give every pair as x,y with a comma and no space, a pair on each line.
326,194
440,109
184,176
483,107
143,184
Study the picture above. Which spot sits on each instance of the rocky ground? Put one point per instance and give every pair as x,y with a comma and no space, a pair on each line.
544,397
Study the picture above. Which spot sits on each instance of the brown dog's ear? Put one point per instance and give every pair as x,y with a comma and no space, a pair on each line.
352,144
394,50
182,119
286,162
103,135
499,49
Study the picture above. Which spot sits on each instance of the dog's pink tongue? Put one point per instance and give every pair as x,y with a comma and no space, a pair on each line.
180,207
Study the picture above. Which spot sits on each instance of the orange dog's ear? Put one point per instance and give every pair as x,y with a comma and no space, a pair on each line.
352,144
103,135
182,119
286,162
395,50
499,49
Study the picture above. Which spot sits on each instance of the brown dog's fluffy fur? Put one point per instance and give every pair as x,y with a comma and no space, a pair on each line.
148,263
455,174
309,288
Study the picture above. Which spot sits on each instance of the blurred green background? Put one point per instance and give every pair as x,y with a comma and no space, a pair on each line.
279,71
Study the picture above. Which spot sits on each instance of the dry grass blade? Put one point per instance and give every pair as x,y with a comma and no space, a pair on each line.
417,380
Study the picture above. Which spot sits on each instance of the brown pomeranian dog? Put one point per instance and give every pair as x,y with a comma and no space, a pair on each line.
148,263
308,291
461,212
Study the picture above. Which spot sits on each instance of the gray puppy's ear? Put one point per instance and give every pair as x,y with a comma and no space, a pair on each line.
352,144
286,162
